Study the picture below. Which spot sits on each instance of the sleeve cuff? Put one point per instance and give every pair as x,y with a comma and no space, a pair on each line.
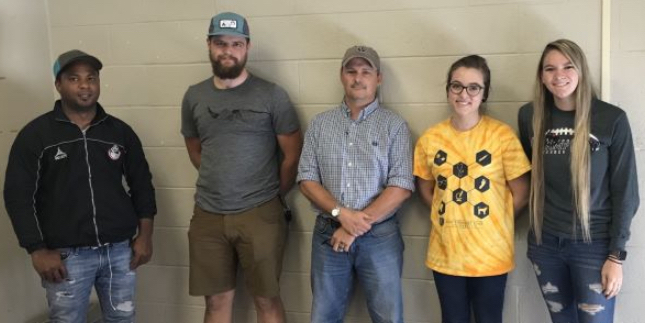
33,247
147,216
402,183
304,177
616,244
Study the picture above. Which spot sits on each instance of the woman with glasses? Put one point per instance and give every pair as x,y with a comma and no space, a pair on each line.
584,190
472,173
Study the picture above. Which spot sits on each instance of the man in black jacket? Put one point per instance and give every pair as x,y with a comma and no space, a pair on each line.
69,208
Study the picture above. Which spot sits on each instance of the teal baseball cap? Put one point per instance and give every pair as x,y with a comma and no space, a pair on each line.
67,58
229,23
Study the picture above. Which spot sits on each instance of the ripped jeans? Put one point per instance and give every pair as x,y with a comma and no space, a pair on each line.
569,274
107,268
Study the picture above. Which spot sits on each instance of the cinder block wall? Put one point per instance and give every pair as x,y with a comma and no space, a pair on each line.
153,49
628,92
25,91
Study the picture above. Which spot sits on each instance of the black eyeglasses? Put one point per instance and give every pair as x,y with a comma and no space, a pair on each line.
471,89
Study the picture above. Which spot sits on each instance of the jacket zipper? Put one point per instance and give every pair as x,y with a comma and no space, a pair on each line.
89,172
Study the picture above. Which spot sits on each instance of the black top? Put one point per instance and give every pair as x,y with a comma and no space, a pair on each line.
64,187
614,185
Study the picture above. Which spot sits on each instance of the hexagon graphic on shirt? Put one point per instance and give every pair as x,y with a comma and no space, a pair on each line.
460,170
482,184
440,158
481,210
442,208
460,196
442,182
484,158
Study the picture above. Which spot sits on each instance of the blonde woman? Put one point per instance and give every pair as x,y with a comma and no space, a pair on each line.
472,173
584,190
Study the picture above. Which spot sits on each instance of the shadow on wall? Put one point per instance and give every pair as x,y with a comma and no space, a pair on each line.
320,72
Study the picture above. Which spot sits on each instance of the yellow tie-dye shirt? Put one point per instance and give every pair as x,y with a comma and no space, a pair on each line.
472,207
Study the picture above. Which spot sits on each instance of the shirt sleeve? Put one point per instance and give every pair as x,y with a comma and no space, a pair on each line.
422,168
515,162
20,187
138,177
188,125
308,168
623,183
285,119
400,157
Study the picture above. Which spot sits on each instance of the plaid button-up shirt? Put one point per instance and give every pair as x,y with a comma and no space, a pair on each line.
355,160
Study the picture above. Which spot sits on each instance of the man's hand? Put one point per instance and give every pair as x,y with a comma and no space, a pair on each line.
341,240
49,265
142,244
141,251
354,222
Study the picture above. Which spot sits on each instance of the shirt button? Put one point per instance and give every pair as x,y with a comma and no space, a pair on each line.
348,184
351,144
349,164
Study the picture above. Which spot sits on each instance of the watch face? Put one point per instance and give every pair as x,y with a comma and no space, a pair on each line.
622,255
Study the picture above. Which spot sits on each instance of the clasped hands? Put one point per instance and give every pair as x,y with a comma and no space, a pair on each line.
353,224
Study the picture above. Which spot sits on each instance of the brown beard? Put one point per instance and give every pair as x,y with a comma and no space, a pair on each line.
224,72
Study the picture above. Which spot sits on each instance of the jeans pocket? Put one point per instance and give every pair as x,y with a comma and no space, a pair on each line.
323,226
589,255
125,244
68,253
386,228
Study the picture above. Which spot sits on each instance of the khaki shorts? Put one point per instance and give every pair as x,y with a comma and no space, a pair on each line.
254,238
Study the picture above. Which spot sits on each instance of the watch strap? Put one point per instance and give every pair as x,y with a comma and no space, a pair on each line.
618,254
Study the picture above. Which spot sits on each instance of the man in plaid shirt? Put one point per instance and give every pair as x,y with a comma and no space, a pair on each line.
356,169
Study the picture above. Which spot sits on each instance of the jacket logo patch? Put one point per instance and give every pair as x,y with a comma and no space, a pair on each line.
114,152
60,154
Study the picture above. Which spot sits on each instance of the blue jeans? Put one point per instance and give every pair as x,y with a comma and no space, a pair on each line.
457,294
375,259
569,274
107,268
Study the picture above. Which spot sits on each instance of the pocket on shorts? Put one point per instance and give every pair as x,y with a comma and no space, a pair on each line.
270,212
202,225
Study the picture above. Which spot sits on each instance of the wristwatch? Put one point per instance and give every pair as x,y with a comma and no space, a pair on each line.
618,254
335,212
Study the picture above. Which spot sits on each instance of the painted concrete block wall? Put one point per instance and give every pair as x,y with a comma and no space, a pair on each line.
25,91
628,92
154,49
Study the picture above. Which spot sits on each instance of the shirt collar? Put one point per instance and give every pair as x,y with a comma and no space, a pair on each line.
60,115
367,111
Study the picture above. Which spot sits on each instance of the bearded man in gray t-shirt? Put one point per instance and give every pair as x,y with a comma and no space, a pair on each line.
243,136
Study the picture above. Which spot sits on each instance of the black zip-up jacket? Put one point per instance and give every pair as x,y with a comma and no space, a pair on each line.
64,187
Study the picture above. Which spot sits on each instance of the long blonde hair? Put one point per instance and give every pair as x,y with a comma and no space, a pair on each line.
580,149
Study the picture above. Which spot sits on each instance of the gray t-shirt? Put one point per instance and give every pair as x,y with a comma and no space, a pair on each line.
614,186
237,128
